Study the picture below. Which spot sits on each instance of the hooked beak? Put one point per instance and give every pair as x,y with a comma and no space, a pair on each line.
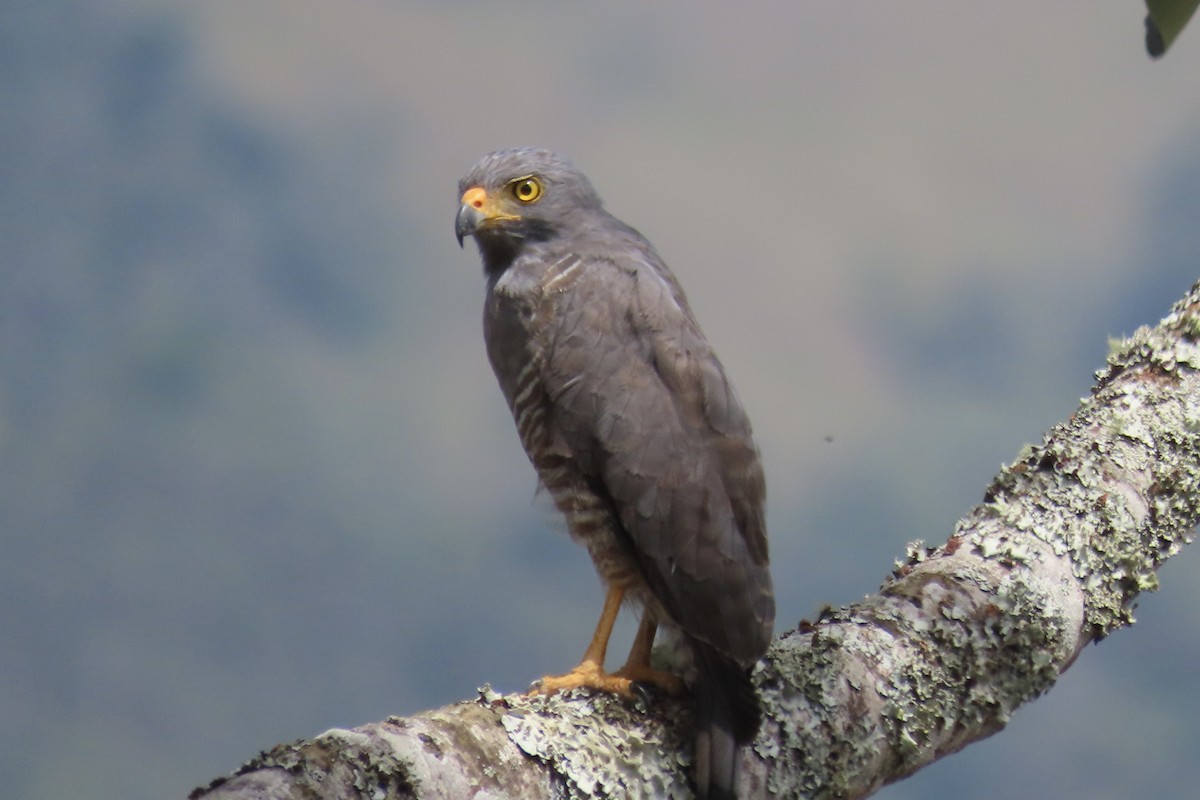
468,220
476,212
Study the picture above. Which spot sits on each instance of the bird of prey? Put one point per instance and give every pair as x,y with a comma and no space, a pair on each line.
635,432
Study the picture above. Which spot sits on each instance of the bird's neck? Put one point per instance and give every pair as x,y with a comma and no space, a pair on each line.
497,255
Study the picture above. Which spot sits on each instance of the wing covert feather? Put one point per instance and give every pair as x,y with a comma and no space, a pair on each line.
643,406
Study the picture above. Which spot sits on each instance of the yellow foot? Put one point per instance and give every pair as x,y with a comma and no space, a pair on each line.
623,682
586,676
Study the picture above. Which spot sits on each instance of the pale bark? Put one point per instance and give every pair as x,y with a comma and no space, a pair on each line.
955,640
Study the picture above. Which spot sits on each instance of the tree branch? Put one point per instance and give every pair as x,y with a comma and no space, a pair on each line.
955,640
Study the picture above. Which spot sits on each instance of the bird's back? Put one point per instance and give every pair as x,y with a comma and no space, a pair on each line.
610,379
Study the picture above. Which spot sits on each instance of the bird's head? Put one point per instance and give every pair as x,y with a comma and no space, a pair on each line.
525,194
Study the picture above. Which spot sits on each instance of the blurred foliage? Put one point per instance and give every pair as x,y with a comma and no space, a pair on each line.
1164,22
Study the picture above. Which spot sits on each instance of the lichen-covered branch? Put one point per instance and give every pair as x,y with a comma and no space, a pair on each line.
955,640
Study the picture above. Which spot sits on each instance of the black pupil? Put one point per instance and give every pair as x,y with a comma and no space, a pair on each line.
525,189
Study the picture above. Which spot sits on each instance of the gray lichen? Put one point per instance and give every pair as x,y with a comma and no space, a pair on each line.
1116,486
964,633
602,746
336,764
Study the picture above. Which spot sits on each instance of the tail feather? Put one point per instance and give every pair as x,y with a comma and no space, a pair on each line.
727,717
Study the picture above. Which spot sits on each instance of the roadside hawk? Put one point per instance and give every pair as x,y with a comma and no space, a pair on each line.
635,432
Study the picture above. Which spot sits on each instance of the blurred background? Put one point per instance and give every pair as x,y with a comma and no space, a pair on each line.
257,481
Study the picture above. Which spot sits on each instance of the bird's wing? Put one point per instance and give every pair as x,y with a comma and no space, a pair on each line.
641,403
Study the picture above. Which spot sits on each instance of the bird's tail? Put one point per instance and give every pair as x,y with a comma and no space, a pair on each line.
727,717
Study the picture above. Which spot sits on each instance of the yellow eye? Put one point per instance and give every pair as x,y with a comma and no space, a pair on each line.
527,190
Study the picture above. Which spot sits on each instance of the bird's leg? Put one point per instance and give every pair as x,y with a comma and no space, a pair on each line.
590,673
637,667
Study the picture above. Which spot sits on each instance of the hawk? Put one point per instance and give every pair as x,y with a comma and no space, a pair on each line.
635,432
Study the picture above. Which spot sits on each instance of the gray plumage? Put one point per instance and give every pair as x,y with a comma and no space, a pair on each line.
631,423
